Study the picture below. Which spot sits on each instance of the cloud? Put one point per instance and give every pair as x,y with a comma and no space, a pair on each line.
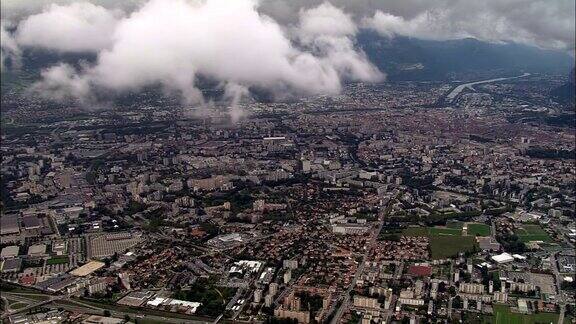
171,43
544,23
547,24
234,93
77,27
326,20
61,82
328,32
283,46
9,50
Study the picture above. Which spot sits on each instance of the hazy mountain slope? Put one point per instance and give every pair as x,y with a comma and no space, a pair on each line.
405,58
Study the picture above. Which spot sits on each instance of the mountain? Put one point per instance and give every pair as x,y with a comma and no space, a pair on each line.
404,58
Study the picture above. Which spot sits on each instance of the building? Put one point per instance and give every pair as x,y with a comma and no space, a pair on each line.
9,224
11,265
268,300
366,302
257,295
37,250
87,269
500,297
287,276
290,264
10,251
97,286
350,229
503,258
31,222
300,316
522,287
471,288
411,301
273,289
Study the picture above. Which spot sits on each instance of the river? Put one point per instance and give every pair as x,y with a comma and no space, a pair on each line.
454,93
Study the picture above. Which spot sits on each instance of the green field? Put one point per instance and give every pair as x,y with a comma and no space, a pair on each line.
431,231
477,229
503,315
454,224
17,305
57,260
415,231
529,233
444,231
444,242
445,246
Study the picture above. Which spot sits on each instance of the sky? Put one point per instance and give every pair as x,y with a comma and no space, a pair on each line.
284,46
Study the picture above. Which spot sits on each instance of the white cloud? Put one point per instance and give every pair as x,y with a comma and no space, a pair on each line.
77,27
170,43
547,24
326,20
328,32
234,93
61,82
9,50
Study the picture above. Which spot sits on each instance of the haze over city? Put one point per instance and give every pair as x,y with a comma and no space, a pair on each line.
276,161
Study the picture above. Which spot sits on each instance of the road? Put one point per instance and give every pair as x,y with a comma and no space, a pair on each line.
65,302
372,242
76,306
558,279
32,303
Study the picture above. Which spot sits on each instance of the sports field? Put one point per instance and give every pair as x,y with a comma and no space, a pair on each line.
444,242
529,233
431,231
477,229
444,231
454,224
444,246
503,315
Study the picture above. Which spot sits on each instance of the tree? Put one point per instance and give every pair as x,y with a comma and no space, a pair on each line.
107,313
457,302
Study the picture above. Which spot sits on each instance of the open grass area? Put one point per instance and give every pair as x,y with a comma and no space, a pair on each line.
444,231
477,229
415,231
444,242
431,231
529,233
503,315
454,224
445,246
58,260
18,305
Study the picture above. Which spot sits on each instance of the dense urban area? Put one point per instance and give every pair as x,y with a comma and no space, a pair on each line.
395,202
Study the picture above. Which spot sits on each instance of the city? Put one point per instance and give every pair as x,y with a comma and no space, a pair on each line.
390,202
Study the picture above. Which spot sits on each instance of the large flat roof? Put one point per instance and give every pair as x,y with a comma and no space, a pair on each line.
504,257
10,251
87,269
9,224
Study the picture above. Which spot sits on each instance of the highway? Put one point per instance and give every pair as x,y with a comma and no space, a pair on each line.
32,303
65,302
